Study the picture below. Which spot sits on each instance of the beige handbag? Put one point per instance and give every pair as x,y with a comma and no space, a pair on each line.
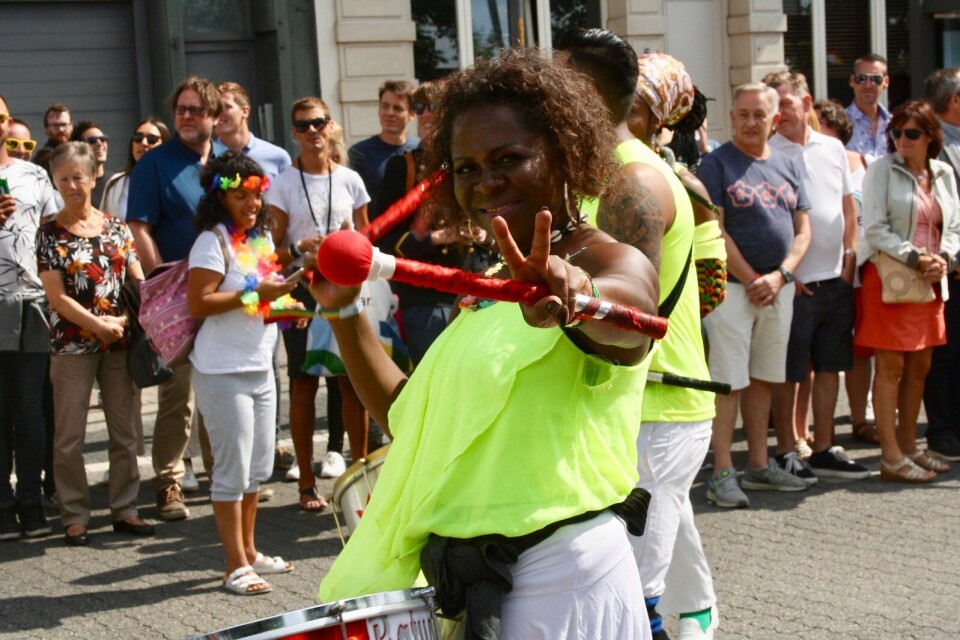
901,284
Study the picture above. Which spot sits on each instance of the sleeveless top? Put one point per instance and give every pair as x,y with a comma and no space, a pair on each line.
503,428
929,222
681,351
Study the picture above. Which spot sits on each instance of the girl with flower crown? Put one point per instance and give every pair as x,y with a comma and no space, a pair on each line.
233,283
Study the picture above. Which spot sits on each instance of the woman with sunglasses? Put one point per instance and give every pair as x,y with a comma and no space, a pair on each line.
909,214
149,134
309,200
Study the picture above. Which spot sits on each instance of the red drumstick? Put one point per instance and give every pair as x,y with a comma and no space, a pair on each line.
347,258
403,207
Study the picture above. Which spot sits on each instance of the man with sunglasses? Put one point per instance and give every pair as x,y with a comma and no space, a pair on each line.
940,397
870,118
89,132
24,341
19,145
369,157
164,193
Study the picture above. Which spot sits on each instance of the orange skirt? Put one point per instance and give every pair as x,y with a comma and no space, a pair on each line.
897,327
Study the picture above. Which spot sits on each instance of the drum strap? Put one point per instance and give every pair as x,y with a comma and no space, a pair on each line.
473,574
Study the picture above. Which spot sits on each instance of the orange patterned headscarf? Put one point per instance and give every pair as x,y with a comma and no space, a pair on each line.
665,86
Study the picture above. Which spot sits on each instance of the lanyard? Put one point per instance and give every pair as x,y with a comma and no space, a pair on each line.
306,194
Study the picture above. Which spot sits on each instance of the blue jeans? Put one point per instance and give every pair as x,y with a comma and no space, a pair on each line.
22,418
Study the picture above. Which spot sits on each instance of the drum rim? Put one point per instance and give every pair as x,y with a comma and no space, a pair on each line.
355,470
264,628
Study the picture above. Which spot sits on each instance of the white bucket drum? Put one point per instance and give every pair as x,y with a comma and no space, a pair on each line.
391,615
352,490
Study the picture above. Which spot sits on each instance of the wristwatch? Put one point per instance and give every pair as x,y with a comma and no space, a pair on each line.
294,251
787,276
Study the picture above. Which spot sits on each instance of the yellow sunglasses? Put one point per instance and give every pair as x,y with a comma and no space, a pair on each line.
15,143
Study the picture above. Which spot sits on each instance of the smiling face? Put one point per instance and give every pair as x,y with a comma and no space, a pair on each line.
94,137
140,148
501,168
243,205
912,150
313,139
232,115
867,93
394,113
752,119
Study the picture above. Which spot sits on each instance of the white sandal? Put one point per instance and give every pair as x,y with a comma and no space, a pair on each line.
913,475
928,462
243,580
267,566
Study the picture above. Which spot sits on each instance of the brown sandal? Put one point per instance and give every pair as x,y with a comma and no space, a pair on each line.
924,461
311,500
866,432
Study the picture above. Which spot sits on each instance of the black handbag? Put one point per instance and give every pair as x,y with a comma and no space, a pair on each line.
145,365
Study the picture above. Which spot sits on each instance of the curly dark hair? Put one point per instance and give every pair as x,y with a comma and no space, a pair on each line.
551,101
210,211
836,118
689,124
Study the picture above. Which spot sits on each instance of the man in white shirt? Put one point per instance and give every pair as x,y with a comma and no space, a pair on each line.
821,331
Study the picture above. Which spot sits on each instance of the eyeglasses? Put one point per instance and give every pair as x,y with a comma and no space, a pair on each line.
302,126
4,117
196,112
15,143
149,137
92,140
863,78
912,134
420,107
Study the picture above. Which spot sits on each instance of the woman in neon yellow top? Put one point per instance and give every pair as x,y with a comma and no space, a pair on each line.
518,419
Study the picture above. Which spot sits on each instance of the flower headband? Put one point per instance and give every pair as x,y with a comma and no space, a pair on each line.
252,183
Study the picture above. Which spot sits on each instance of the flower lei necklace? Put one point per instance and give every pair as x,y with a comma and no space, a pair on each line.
256,261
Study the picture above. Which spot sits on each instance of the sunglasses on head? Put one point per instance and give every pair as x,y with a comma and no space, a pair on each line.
149,137
302,126
420,107
863,78
92,140
912,134
196,112
15,143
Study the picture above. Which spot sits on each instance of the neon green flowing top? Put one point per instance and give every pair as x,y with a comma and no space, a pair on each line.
681,350
503,428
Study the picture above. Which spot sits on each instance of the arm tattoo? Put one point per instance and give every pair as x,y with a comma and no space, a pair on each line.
632,215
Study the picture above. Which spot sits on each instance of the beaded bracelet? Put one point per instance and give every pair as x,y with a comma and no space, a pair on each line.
346,311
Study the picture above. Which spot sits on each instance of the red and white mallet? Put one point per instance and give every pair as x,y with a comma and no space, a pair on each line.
347,258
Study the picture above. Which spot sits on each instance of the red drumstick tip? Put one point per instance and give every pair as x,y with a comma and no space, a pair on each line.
345,257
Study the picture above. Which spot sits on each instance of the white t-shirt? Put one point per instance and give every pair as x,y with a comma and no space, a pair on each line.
286,193
826,180
235,341
33,193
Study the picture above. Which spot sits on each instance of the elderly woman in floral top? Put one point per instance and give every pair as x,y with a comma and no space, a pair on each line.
83,257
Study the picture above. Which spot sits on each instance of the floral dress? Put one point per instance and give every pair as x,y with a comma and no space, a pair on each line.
93,272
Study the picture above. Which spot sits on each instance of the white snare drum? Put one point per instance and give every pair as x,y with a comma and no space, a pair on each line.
352,490
391,615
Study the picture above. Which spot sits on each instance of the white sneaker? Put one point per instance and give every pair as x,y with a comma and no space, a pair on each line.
689,628
189,483
333,465
293,473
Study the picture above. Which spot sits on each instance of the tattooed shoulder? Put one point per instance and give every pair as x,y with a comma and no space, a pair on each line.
632,215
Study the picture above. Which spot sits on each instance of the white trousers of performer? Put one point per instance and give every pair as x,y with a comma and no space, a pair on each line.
689,583
669,455
579,584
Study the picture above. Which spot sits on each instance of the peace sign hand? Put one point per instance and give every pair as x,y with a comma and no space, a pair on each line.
562,279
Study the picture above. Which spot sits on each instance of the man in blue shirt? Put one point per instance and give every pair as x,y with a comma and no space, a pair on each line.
369,157
870,118
164,193
233,131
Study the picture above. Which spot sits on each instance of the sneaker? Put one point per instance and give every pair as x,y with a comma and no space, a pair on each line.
293,473
265,494
9,527
170,504
51,501
792,464
283,458
834,463
189,483
772,478
802,448
689,628
947,449
333,465
33,522
724,491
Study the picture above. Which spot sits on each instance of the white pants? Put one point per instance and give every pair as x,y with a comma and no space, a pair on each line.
689,583
579,584
669,455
